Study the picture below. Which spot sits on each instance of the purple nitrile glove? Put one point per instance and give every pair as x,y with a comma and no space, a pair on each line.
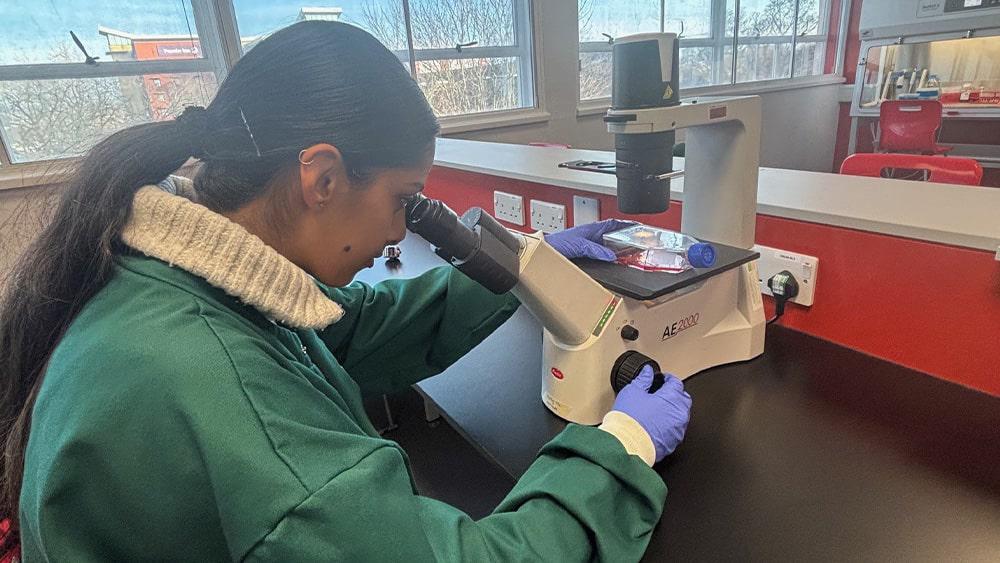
663,414
584,241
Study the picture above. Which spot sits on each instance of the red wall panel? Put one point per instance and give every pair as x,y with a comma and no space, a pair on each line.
931,307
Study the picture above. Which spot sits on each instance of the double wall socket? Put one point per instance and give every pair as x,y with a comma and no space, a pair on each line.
547,217
508,207
802,266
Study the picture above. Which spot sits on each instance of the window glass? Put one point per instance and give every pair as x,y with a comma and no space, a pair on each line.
453,82
617,18
463,86
382,18
691,19
813,16
762,18
765,38
47,119
814,21
809,57
595,75
697,66
33,32
443,24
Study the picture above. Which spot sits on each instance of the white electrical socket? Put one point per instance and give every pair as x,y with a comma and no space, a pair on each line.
508,207
547,217
803,267
586,210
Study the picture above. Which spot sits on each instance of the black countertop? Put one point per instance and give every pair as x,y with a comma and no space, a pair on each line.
811,451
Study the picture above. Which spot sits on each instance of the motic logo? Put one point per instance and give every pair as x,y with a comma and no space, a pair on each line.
676,328
557,374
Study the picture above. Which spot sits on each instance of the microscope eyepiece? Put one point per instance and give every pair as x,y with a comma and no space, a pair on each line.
440,226
476,244
417,205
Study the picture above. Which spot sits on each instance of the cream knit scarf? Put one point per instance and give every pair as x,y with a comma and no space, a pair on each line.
185,234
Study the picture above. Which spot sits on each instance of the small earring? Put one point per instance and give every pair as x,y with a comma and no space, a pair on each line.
301,153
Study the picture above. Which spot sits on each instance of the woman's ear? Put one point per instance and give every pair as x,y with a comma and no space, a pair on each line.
321,174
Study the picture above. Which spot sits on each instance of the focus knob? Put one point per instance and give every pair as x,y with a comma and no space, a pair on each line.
628,366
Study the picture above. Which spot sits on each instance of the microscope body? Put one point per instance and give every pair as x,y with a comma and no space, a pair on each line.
595,339
716,321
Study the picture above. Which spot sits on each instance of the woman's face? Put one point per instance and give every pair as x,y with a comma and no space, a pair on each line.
349,222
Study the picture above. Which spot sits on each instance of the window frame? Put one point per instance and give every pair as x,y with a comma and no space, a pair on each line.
719,40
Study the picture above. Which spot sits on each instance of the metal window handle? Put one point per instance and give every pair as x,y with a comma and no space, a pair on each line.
611,40
458,46
87,58
681,21
667,175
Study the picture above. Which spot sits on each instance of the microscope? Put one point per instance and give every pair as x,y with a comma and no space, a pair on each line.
603,322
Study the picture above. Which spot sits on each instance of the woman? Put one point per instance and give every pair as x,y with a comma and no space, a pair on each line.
181,387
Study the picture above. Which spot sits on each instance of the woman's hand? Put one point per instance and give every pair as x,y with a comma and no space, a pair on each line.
584,241
663,414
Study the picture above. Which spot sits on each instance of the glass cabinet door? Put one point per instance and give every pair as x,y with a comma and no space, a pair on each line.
963,73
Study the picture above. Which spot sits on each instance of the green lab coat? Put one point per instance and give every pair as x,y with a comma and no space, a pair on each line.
176,423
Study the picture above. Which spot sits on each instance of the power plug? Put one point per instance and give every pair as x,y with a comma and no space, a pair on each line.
783,286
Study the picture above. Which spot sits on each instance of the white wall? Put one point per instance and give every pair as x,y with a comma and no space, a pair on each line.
799,126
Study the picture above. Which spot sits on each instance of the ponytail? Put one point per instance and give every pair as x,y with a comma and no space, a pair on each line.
312,82
70,261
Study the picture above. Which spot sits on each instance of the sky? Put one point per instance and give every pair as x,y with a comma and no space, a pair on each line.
30,28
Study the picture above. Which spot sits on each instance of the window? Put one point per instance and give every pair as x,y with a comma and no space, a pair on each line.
774,39
768,32
469,56
56,102
140,61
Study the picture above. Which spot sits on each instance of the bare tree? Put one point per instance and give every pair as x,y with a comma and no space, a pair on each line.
182,90
48,119
698,64
454,86
386,23
776,19
595,68
45,119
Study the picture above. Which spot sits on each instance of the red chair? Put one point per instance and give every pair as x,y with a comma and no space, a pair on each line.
944,169
910,126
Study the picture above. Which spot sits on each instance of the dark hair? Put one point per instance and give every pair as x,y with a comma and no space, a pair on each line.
311,82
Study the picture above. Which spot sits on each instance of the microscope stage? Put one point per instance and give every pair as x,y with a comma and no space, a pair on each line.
644,286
